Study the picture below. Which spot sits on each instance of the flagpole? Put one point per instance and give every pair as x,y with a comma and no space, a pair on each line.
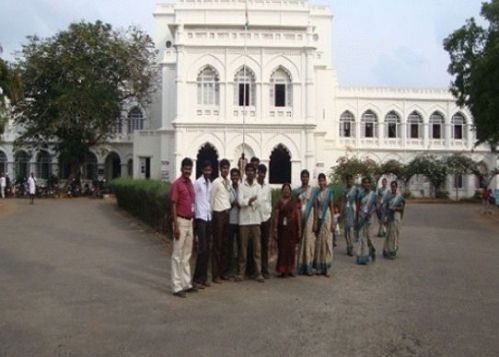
245,94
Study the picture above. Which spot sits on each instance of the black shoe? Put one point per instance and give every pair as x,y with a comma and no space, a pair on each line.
191,290
373,254
180,294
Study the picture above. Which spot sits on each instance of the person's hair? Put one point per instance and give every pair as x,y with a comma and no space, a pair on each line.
186,162
250,166
254,159
235,171
366,178
224,162
262,168
304,172
348,176
394,183
286,185
321,176
206,164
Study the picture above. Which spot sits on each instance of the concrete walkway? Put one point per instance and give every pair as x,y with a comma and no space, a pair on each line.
80,278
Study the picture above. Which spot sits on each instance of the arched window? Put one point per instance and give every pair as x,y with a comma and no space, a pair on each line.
3,163
436,126
44,165
117,127
392,125
281,89
458,125
208,87
245,89
135,120
414,126
369,124
347,125
21,164
90,166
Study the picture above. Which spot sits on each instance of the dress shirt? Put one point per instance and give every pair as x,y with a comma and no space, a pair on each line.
249,214
265,202
203,187
219,199
234,211
182,194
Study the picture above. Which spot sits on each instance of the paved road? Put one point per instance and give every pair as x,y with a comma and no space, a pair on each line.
80,278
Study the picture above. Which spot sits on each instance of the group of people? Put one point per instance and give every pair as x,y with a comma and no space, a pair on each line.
236,208
6,184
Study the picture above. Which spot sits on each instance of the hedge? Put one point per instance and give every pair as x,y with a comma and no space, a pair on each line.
146,199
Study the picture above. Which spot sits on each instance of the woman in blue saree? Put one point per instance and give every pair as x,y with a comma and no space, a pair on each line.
306,195
350,212
324,227
366,206
394,205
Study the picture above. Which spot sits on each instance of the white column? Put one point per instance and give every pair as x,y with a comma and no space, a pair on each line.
447,132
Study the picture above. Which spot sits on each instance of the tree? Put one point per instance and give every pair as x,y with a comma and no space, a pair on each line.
429,166
474,55
75,84
10,90
355,167
459,165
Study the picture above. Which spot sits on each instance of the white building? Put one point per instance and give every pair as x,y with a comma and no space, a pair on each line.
277,77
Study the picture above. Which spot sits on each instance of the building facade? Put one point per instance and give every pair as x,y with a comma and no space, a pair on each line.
270,90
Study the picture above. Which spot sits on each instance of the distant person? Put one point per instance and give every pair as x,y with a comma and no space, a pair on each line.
255,161
486,201
3,185
249,223
350,212
306,196
265,207
394,204
32,188
380,210
220,205
203,187
234,238
366,206
242,165
287,228
182,197
324,227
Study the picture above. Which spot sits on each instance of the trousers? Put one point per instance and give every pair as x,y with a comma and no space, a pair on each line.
219,257
204,232
182,250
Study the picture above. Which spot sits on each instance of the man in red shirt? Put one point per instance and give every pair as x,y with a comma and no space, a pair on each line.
182,198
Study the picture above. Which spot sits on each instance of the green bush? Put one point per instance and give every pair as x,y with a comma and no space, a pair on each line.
442,195
148,200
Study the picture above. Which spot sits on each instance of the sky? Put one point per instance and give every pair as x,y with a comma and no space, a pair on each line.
389,43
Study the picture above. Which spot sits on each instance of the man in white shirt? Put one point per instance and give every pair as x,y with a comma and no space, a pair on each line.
265,205
235,177
220,204
249,223
202,211
3,184
32,188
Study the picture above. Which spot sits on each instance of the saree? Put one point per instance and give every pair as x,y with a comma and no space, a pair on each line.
380,210
323,259
287,235
306,248
394,220
350,198
367,201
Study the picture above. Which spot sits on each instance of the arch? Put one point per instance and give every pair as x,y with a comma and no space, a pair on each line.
248,152
437,122
206,59
208,86
369,124
239,62
438,109
415,125
236,142
3,162
21,165
458,122
43,165
280,165
192,146
392,124
281,88
286,141
135,119
244,87
369,107
207,152
112,166
347,124
415,108
281,61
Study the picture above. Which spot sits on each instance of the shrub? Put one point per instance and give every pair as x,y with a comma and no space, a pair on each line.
148,200
442,195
